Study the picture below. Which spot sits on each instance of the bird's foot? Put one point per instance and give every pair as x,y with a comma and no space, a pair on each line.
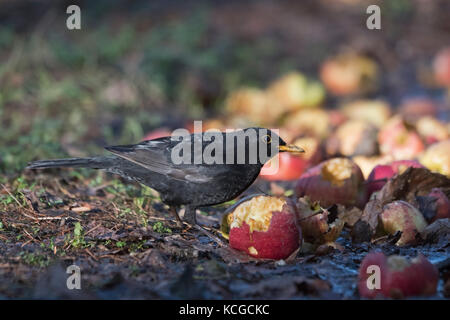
174,212
209,234
190,220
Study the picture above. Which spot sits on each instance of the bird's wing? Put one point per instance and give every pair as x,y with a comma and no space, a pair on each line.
154,155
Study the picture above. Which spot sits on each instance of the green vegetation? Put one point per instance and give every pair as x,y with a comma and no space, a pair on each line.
77,239
35,259
65,93
160,228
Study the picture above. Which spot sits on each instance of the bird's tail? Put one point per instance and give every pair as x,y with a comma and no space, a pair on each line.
94,163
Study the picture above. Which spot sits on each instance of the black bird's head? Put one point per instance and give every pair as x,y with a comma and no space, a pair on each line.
268,142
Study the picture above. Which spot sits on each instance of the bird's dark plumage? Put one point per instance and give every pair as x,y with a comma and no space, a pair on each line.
191,184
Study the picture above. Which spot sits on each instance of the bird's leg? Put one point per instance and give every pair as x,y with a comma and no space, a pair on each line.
174,211
190,218
190,215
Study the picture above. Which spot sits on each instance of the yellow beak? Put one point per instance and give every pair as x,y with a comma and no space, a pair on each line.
291,148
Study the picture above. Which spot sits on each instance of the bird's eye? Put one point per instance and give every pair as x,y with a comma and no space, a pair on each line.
267,139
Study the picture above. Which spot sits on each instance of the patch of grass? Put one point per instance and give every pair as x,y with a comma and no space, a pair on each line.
160,228
35,259
121,244
77,240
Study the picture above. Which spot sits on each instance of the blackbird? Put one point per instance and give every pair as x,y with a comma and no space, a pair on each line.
196,181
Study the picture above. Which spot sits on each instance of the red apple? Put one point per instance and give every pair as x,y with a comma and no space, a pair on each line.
349,74
337,118
157,133
442,204
399,141
402,216
412,109
367,164
334,181
265,227
441,67
435,205
381,173
398,277
290,166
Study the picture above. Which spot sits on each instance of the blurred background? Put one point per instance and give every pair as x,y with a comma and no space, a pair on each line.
307,67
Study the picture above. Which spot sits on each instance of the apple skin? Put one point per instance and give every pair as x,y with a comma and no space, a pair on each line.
157,133
397,140
442,204
280,239
315,224
381,173
399,278
402,216
334,181
348,74
413,109
441,67
290,167
367,164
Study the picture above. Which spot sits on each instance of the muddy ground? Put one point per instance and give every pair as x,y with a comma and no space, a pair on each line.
141,253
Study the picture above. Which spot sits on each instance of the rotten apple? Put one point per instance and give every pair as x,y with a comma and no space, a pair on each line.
376,112
396,139
309,122
367,164
398,276
401,216
254,105
382,173
319,225
356,137
294,91
334,181
349,74
264,227
435,205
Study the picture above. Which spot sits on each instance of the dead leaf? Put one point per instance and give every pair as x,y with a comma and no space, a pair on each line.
437,230
349,215
407,186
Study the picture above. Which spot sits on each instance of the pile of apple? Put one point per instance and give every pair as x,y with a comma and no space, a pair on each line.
351,152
